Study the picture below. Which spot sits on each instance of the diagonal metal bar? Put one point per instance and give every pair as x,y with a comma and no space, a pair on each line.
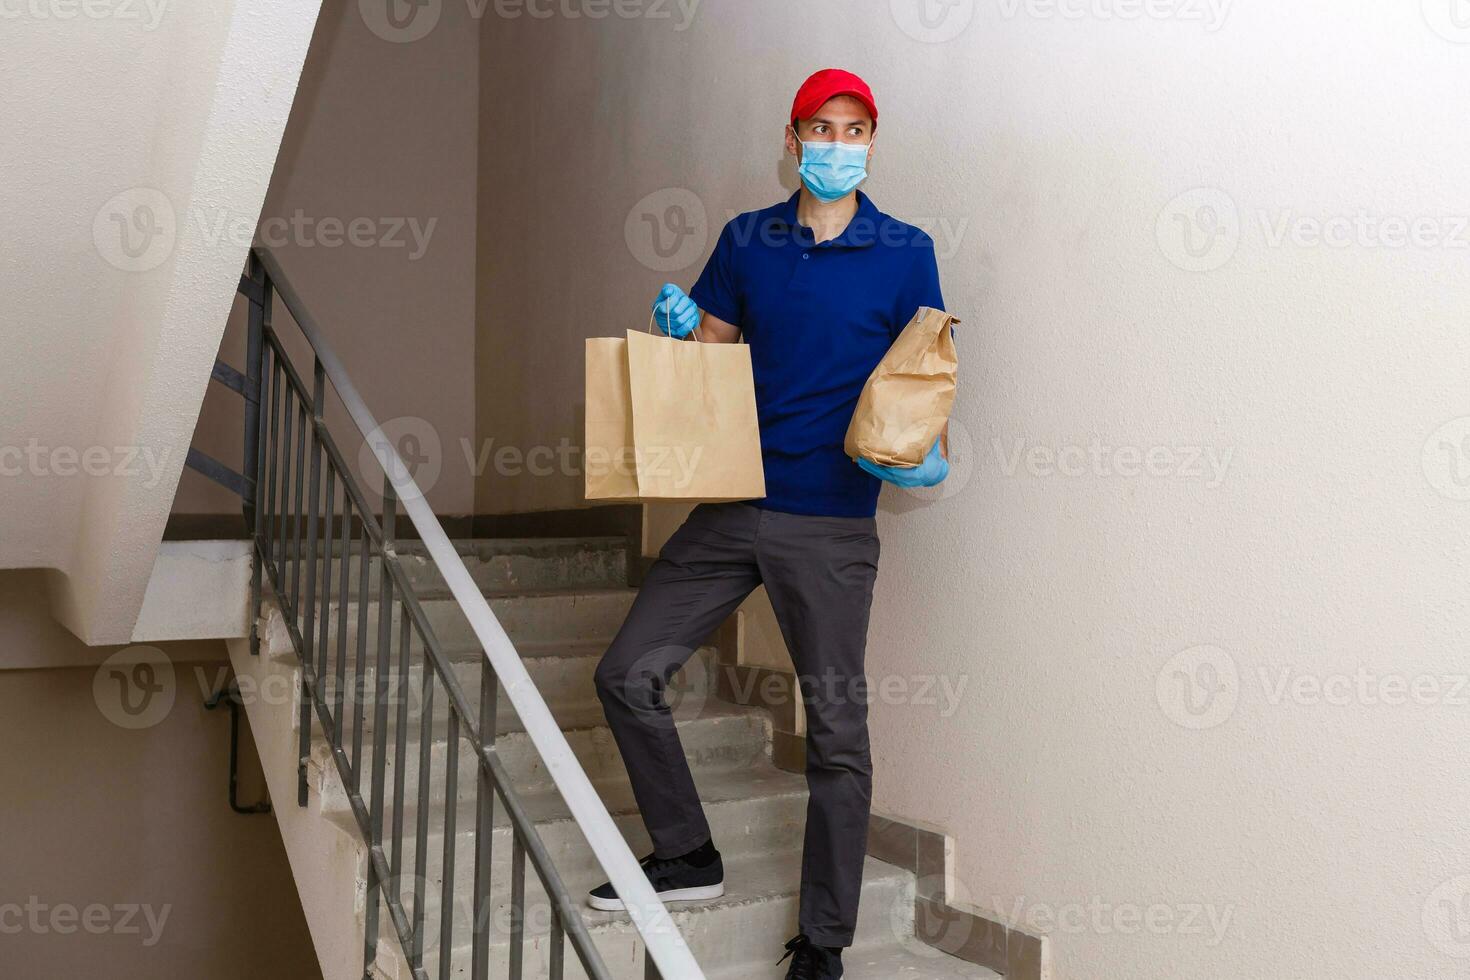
237,483
236,382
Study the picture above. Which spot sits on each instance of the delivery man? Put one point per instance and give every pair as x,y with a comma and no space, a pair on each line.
818,287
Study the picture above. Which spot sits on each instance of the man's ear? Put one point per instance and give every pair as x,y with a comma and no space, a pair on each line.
792,141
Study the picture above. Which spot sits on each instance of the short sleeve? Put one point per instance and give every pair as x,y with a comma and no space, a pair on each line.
920,286
715,291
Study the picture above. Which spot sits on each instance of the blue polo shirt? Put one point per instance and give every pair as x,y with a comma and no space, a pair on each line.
818,319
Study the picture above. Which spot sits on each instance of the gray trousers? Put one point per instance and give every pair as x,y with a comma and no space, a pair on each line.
819,573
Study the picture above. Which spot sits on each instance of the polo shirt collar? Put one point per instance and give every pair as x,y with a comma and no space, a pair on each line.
861,231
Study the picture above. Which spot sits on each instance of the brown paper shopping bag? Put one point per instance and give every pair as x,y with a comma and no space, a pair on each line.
695,428
908,397
608,465
670,420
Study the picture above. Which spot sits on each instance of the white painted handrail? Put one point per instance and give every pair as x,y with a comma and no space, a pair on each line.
662,937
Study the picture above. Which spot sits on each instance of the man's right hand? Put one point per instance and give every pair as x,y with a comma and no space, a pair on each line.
674,312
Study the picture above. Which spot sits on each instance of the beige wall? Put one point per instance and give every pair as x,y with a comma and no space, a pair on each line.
383,134
105,825
1137,765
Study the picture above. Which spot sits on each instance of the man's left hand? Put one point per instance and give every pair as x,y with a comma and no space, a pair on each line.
930,472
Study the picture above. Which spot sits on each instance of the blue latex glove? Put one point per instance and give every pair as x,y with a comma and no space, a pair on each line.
930,472
674,312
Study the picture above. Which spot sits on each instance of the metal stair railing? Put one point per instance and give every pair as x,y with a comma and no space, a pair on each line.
302,523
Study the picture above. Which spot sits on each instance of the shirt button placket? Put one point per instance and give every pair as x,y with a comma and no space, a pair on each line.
799,274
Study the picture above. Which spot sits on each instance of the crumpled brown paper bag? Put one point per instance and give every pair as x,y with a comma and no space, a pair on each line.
908,397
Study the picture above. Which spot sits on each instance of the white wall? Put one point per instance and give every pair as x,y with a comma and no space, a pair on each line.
133,130
1329,836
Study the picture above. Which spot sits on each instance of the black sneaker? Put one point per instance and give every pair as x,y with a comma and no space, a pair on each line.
674,879
810,961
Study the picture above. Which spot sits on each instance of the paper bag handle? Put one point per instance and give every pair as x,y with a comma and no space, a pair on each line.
652,314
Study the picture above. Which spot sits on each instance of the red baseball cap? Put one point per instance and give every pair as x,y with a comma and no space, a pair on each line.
825,86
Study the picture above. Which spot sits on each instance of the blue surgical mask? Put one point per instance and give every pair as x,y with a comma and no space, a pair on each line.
832,171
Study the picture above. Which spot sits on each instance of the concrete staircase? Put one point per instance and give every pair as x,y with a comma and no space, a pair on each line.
561,601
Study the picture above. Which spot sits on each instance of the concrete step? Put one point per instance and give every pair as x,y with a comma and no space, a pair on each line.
743,930
907,960
503,564
751,812
569,617
715,737
563,674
